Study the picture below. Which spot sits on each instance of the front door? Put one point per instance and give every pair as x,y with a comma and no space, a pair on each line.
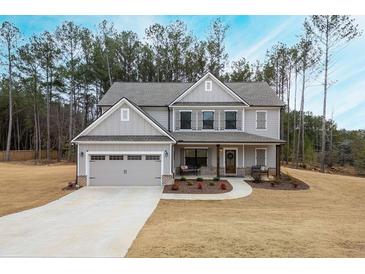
230,161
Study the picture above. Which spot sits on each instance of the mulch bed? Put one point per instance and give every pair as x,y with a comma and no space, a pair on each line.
284,183
185,188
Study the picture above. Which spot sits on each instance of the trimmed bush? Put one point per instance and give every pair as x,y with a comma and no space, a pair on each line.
211,183
175,186
223,186
216,179
189,183
200,185
183,178
200,179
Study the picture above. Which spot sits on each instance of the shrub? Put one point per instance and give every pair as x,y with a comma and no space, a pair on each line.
183,178
175,186
272,184
200,185
200,179
295,184
211,183
216,179
189,183
223,186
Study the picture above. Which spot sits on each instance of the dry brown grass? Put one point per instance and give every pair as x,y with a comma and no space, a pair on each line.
328,220
24,185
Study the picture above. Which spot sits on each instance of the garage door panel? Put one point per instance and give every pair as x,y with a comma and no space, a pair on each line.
127,172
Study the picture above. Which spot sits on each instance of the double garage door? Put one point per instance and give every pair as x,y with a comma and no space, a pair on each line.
125,170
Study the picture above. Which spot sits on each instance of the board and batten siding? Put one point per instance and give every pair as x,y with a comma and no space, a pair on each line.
122,147
160,114
273,122
270,154
112,125
199,94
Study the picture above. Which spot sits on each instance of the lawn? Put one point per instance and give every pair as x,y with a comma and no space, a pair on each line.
24,185
327,220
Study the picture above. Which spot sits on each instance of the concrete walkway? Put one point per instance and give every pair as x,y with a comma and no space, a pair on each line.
240,189
90,222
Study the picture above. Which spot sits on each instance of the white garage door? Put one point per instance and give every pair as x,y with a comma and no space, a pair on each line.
125,170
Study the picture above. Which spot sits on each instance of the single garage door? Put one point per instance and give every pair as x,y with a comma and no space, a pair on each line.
125,170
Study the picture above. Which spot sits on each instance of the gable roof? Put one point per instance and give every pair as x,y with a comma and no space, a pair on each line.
209,75
136,108
163,94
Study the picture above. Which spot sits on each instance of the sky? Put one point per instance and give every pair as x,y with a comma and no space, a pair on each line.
250,37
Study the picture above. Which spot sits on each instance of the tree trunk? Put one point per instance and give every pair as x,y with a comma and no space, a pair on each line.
288,118
323,154
302,116
294,115
48,98
8,141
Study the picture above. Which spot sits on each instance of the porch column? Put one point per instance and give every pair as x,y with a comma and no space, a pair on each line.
278,153
218,168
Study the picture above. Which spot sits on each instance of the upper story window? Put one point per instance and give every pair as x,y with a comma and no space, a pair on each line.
124,114
185,119
261,119
231,120
208,119
208,85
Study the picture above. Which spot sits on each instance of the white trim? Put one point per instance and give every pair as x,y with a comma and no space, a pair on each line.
225,143
173,120
206,110
78,160
215,106
87,161
111,110
123,142
206,83
261,129
224,159
263,148
243,156
121,114
230,129
206,129
185,110
243,120
279,123
223,86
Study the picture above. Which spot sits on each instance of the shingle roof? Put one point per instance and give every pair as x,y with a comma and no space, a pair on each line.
123,138
222,137
162,94
209,104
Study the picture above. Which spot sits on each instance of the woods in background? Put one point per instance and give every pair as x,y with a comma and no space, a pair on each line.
51,82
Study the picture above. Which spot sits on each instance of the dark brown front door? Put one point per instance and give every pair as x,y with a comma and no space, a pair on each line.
230,161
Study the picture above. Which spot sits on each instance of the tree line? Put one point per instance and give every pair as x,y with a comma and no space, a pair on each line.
51,82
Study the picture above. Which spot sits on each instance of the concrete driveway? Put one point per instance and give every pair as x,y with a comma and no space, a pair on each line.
90,222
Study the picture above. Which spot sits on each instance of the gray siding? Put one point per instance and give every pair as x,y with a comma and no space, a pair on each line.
216,95
273,122
112,125
160,114
103,109
219,117
250,155
122,147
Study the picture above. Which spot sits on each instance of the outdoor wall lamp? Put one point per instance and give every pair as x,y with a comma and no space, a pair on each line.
166,153
82,154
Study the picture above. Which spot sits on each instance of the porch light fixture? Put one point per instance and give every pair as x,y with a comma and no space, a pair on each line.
221,149
82,154
166,153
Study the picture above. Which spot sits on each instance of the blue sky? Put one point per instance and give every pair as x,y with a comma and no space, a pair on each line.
250,37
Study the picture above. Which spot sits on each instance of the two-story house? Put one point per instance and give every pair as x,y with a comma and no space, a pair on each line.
148,131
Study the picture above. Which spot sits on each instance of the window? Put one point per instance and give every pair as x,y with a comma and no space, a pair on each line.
153,157
208,119
196,157
185,119
115,157
208,85
134,157
261,156
260,119
231,119
124,114
97,157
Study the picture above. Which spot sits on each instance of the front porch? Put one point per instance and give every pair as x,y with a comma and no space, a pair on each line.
230,160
